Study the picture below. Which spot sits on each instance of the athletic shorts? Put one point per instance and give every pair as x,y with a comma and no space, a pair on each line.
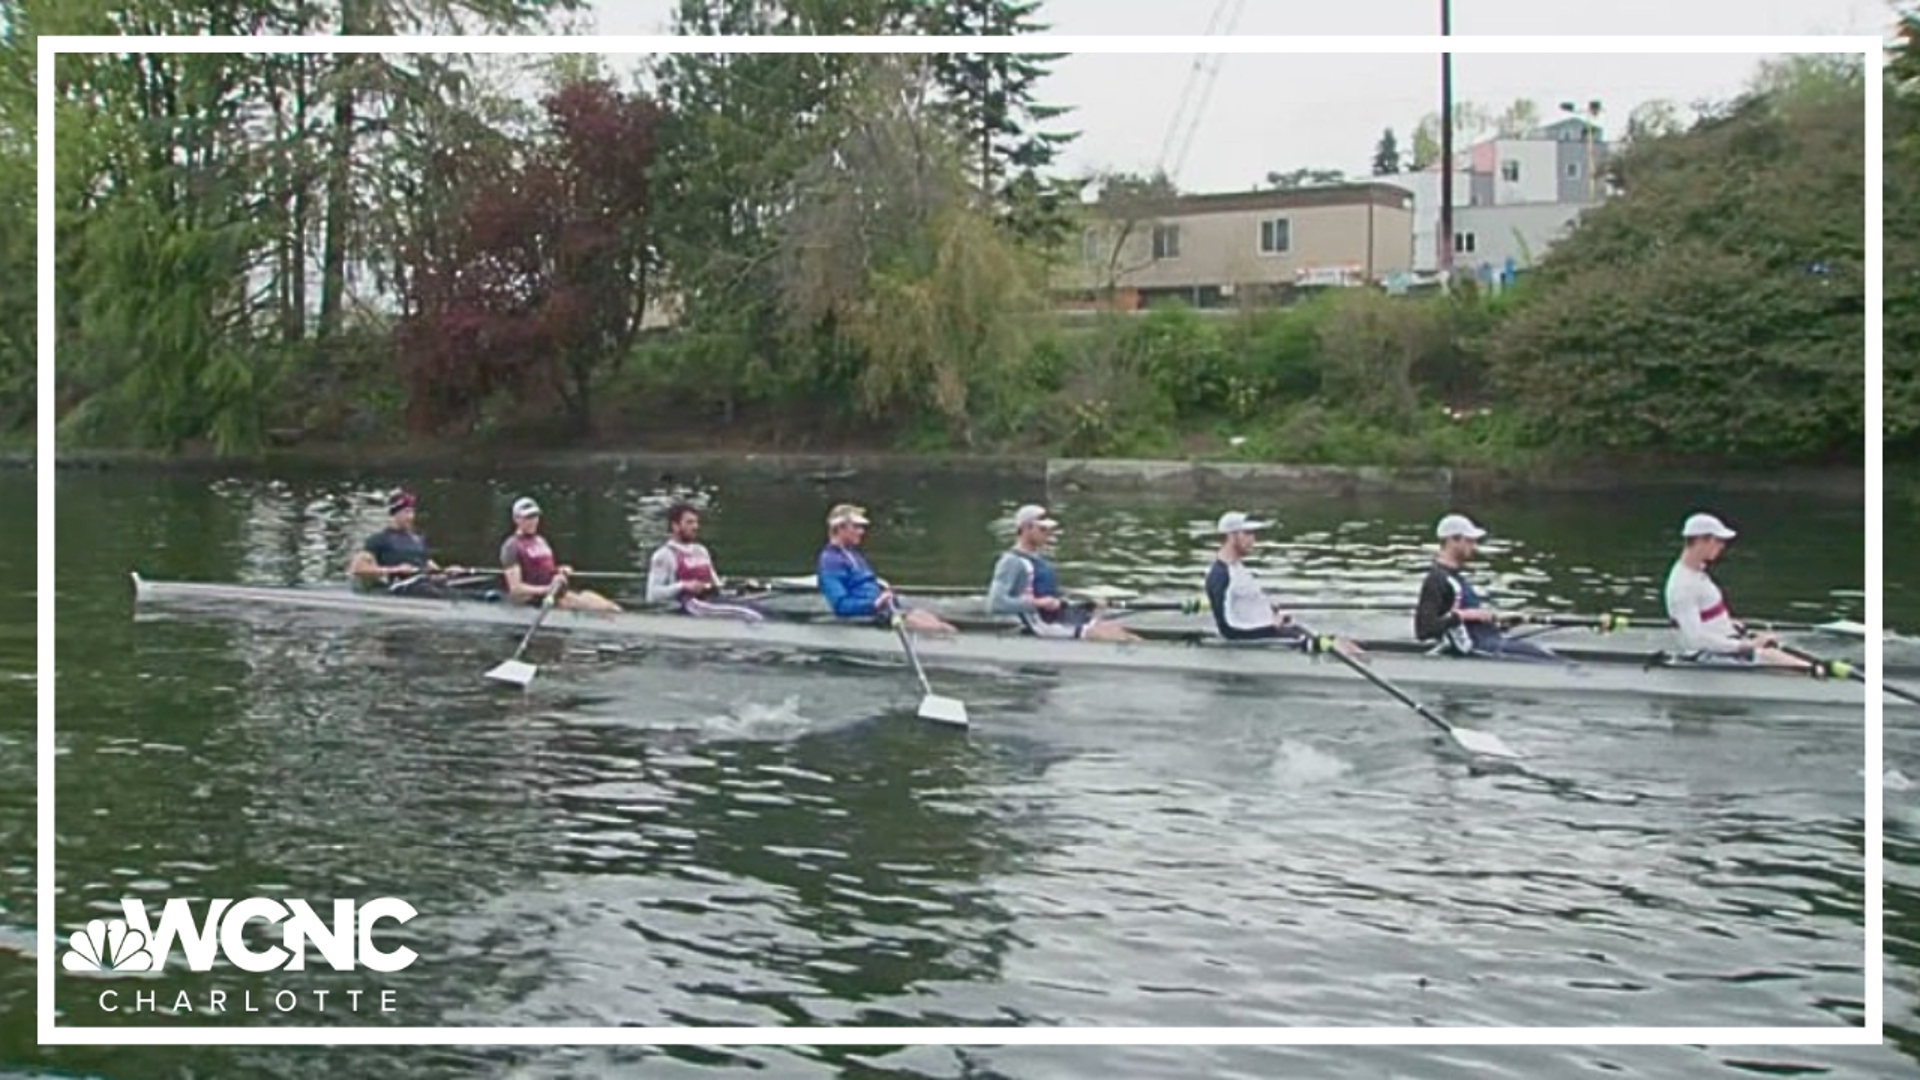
1069,624
1267,633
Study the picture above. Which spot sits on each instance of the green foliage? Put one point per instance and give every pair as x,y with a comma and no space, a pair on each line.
1901,272
991,99
1716,307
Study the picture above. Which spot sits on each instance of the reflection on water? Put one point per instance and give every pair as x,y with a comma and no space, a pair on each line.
676,836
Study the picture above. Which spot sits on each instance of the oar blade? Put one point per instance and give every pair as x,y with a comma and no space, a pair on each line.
1483,744
944,710
517,672
1843,628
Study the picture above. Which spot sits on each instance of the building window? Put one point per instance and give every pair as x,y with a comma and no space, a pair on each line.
1093,246
1463,243
1276,236
1573,170
1166,241
1510,171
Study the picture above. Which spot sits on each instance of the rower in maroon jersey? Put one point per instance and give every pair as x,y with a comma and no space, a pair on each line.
527,562
681,572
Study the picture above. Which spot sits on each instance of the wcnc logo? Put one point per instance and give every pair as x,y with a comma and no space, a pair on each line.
133,944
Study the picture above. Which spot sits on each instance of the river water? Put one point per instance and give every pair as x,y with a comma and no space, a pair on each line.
669,837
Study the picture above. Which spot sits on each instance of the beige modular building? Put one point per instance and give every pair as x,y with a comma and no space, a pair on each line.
1239,247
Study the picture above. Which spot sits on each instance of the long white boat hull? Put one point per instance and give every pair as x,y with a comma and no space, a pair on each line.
1694,683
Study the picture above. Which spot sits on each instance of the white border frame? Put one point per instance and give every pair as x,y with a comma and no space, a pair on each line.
1868,1034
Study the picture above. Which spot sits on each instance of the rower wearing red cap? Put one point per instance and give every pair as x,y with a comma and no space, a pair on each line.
396,556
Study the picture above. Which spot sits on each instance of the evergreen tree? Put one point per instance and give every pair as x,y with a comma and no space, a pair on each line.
1386,154
991,98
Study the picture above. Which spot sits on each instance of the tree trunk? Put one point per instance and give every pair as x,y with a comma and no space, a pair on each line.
333,248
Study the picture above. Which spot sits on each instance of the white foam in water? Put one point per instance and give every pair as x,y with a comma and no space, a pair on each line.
1299,763
751,719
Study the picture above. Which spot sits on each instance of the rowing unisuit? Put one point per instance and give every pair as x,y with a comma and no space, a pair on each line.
681,572
1025,585
1452,612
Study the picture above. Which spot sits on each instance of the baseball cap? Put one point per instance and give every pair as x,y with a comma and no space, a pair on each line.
1033,515
525,508
1458,525
847,513
1234,521
399,500
1706,525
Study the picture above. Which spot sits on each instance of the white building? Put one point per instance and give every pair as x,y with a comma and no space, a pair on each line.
1513,197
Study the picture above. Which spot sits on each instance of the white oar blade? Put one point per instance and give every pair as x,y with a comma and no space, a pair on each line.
1844,628
943,710
518,672
1483,744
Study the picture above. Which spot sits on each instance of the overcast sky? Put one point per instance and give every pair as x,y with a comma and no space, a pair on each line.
1275,113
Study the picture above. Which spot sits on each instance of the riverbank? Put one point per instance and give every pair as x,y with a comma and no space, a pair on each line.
1068,476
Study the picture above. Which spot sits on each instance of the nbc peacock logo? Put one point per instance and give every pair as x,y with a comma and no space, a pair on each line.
107,946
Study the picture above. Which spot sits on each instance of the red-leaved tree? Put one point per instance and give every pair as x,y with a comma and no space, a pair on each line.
534,282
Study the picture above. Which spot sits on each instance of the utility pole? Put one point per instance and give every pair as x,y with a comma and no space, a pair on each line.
1446,149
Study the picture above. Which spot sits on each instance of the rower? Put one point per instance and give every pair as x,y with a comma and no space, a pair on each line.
1241,609
397,556
1699,611
681,572
527,562
851,588
1024,585
1452,613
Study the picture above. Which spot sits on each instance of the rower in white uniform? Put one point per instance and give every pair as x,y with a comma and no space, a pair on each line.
1240,607
1699,610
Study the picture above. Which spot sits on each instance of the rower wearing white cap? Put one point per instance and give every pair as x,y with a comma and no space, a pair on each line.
1241,609
850,587
528,564
1452,613
1024,585
1698,609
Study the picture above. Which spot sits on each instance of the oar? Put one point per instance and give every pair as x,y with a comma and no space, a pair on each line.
1482,743
514,670
944,710
1846,670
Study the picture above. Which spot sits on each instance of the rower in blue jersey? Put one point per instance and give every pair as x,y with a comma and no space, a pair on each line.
849,585
1453,614
1025,585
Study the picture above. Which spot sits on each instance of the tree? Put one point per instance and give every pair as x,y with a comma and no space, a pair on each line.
888,253
1386,154
538,285
1656,119
991,97
1520,118
19,293
1125,201
1901,270
1716,305
1470,121
1294,179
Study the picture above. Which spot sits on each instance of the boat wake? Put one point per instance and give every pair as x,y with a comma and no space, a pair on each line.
1300,765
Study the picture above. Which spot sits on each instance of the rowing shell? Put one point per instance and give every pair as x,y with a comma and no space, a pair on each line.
1682,681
